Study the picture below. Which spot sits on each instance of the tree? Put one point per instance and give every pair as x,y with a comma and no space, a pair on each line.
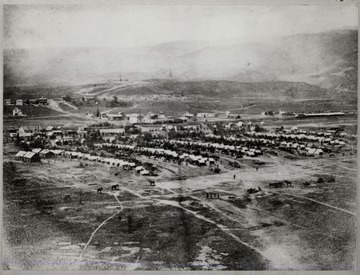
115,99
97,114
147,136
67,98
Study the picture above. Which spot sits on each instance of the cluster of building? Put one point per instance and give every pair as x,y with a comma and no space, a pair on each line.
36,154
21,102
312,114
157,118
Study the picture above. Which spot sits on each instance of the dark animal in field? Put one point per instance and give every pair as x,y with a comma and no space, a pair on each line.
67,197
306,184
152,183
115,187
99,190
288,183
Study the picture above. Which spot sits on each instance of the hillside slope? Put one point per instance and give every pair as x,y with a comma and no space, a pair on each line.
327,59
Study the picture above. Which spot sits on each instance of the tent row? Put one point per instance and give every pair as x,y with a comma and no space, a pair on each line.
110,161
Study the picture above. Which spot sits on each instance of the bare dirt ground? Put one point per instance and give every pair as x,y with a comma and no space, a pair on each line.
173,226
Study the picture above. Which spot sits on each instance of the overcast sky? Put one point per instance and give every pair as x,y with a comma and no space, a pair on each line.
129,26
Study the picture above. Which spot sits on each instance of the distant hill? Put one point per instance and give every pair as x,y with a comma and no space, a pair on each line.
326,59
228,89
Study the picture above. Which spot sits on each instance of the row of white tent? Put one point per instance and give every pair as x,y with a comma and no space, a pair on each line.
161,151
111,161
243,149
326,138
309,148
267,140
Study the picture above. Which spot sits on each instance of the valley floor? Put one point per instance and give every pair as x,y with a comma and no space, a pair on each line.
173,225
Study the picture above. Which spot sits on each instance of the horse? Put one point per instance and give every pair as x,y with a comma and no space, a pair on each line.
288,183
99,190
115,187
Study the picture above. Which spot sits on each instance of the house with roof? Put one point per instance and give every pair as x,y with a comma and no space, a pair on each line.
150,117
25,132
7,101
46,153
240,124
11,132
104,116
161,115
19,102
42,100
134,118
19,155
118,116
88,98
233,116
17,112
31,157
36,150
112,131
57,153
189,115
181,119
205,115
314,152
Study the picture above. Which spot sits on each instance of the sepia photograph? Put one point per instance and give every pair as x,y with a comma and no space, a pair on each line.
179,137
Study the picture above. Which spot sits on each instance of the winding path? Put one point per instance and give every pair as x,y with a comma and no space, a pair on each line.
103,223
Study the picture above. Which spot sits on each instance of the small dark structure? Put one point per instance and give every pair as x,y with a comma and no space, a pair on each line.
276,185
47,154
99,190
212,195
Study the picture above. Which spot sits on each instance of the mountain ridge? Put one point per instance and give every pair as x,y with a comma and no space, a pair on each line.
327,59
